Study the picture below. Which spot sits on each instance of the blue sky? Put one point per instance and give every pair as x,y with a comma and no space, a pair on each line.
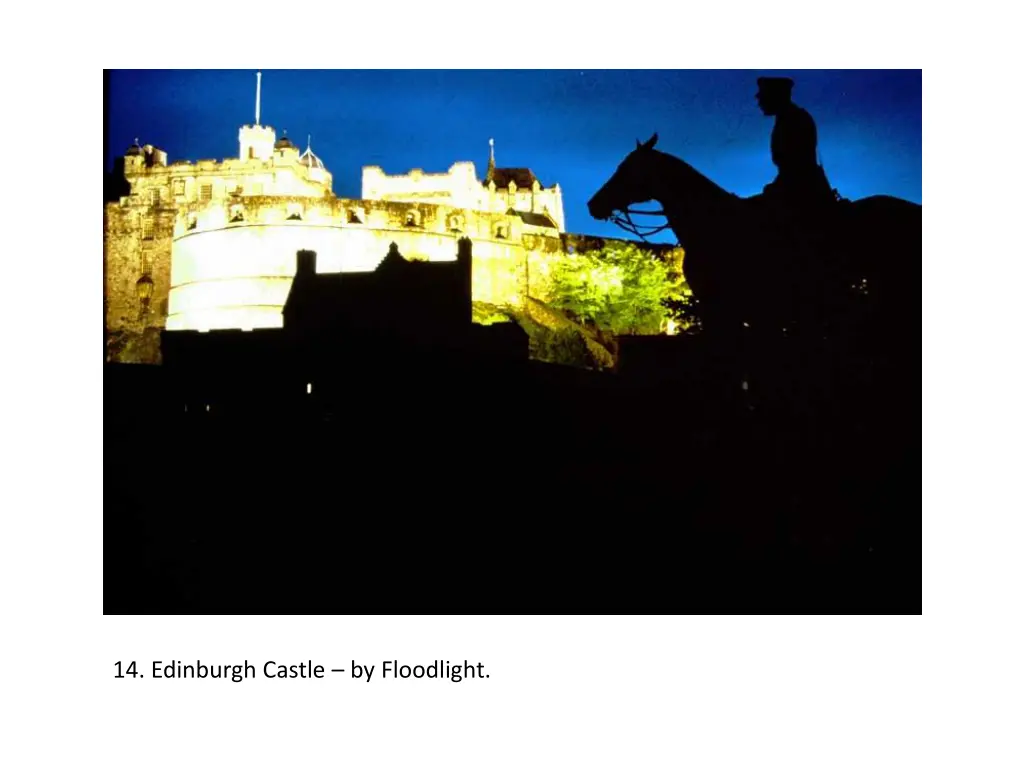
569,126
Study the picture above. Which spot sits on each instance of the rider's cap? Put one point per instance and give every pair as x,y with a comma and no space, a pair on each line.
775,85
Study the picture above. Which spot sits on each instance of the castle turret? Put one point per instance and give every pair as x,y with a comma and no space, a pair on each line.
154,156
287,151
134,159
256,142
317,171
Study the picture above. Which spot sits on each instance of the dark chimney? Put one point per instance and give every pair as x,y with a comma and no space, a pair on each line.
465,260
305,263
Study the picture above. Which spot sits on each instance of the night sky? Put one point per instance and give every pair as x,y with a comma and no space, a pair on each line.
568,126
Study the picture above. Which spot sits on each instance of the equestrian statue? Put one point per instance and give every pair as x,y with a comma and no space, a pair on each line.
795,261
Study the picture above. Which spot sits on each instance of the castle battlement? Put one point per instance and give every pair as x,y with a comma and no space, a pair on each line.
285,173
460,187
385,216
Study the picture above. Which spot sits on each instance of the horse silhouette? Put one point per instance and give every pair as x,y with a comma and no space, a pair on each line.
807,358
848,270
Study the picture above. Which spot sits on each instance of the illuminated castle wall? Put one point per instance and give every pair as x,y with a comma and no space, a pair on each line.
503,189
164,201
212,245
232,265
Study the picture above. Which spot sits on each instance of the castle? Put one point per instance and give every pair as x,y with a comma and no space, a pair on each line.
210,245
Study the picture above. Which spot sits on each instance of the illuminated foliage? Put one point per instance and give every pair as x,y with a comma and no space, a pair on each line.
489,314
622,289
565,347
682,312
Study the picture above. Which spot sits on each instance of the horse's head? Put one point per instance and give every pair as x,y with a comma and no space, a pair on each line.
631,183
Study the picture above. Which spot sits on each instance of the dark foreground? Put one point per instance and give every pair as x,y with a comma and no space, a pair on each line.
406,486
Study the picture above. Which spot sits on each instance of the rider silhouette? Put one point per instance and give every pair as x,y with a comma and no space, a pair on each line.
801,182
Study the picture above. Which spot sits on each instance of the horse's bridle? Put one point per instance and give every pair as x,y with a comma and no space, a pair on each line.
628,225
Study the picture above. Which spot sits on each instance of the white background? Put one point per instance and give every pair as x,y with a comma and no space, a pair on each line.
939,689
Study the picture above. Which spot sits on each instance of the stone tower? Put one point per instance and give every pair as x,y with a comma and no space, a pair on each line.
256,142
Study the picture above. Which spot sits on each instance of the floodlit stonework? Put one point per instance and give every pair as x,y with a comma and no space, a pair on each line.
212,245
502,190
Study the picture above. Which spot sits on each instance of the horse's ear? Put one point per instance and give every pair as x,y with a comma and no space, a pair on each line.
650,142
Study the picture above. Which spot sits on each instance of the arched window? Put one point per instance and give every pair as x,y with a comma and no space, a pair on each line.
455,224
144,290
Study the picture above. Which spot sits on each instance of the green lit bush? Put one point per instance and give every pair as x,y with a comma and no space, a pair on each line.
622,289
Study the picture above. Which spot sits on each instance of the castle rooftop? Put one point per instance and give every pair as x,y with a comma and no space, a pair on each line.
523,177
310,160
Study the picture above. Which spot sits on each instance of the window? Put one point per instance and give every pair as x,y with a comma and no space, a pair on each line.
455,224
294,212
191,223
412,219
501,231
178,187
147,229
155,196
205,193
355,216
236,215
